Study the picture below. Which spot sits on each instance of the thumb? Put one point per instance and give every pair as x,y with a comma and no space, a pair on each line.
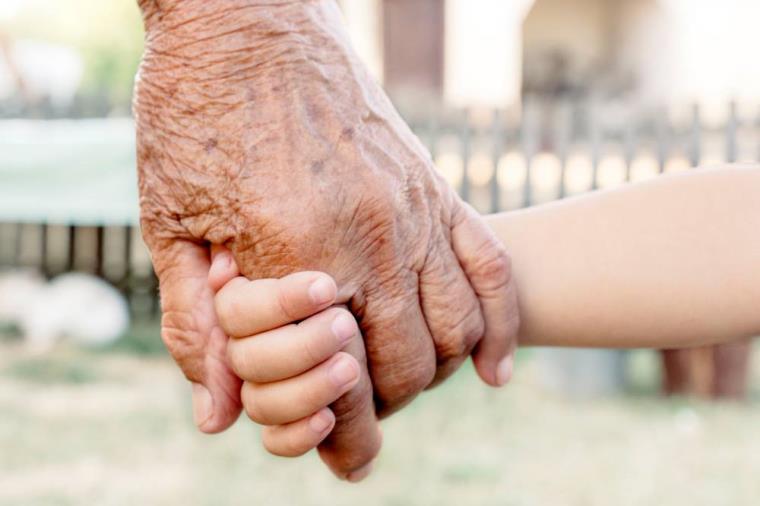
488,267
192,334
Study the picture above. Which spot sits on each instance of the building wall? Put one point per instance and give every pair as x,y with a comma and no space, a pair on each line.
567,40
700,51
413,42
644,51
484,51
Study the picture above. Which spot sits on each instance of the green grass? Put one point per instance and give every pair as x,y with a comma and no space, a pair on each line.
142,338
115,428
53,370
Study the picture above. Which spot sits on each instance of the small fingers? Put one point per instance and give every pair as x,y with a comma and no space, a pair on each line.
296,438
293,349
295,398
247,307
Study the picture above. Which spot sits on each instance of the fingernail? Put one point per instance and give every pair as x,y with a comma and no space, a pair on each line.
504,370
203,405
344,328
343,372
221,261
322,291
360,474
321,421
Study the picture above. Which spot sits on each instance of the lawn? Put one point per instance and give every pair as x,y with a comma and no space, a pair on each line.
115,428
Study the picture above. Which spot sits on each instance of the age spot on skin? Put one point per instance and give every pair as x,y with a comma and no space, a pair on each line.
317,167
210,145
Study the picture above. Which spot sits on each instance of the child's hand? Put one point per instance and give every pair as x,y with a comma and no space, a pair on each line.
292,372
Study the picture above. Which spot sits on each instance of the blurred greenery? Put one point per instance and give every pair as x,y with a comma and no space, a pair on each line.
71,365
115,428
53,369
107,33
143,338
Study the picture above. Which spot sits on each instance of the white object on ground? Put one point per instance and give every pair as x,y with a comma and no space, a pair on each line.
79,307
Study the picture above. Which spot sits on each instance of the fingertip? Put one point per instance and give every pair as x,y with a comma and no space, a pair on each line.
505,369
210,417
203,406
361,473
345,371
223,267
322,421
495,373
216,404
322,290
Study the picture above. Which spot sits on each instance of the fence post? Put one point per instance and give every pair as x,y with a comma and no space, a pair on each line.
464,188
695,152
526,146
71,254
18,236
731,128
662,135
127,276
629,148
757,131
43,228
99,243
564,139
497,150
596,148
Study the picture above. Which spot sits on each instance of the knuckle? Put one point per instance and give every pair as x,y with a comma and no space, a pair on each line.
321,342
230,306
310,351
286,304
395,391
492,268
350,407
473,334
242,361
225,306
276,442
313,399
271,444
254,407
460,336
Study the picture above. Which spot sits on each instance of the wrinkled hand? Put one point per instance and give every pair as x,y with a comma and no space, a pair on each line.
258,129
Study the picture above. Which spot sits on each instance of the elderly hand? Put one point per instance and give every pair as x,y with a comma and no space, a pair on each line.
259,129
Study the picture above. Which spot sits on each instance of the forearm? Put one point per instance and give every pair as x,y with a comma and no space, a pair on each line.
668,263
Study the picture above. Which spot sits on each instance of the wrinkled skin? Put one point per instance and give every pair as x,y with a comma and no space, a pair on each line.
259,129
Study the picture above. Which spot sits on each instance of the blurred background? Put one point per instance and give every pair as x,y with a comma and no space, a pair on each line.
520,102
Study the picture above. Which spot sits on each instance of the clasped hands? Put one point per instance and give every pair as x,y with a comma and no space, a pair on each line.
258,129
298,355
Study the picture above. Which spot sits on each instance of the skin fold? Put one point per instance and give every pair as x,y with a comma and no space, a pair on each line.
259,129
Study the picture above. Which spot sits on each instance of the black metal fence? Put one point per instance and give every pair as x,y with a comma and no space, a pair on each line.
114,253
498,160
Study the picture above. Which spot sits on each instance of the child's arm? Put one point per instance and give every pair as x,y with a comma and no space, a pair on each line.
668,263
